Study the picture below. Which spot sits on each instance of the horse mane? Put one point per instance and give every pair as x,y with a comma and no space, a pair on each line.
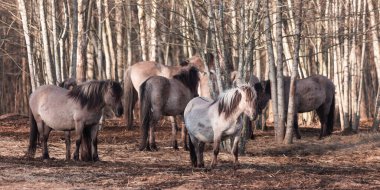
189,76
229,100
91,93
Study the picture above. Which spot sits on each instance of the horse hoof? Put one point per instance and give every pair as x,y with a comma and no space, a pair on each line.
96,158
153,148
76,157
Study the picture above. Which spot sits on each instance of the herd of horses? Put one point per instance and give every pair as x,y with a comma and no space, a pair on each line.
166,91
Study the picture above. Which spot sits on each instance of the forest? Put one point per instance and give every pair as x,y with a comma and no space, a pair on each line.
49,41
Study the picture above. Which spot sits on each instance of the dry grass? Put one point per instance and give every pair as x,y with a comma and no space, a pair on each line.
336,162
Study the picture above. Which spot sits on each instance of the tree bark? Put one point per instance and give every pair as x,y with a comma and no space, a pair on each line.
46,45
280,128
33,77
272,67
291,105
119,40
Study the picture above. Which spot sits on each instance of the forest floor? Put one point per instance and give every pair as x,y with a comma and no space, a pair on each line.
336,162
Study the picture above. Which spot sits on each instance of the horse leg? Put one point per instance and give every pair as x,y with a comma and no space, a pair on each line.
215,150
235,150
94,143
152,142
68,145
184,135
174,132
44,139
78,132
322,118
201,163
295,127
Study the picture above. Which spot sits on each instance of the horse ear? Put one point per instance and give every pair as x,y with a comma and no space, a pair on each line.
184,63
258,87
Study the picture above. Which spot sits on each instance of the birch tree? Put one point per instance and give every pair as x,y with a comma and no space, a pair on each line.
46,44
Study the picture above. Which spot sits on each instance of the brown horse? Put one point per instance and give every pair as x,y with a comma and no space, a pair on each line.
139,72
80,109
312,93
161,96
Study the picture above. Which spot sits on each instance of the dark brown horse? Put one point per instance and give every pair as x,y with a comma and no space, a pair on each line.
136,74
312,93
161,96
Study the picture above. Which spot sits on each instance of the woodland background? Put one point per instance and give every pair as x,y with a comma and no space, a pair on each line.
45,42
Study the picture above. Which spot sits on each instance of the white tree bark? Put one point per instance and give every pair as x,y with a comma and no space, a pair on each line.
33,77
46,45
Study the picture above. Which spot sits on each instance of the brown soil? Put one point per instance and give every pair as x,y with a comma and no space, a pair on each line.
336,162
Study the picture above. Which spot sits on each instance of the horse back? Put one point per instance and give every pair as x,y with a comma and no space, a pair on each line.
312,92
49,103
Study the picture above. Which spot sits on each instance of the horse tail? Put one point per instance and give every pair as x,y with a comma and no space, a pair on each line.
86,147
130,97
330,118
145,113
193,155
33,136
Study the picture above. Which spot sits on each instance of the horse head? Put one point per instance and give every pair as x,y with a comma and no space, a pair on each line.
69,83
242,98
113,97
263,94
249,103
189,76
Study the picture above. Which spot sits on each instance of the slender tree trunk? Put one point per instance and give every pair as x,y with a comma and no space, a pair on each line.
153,34
291,106
109,39
62,40
73,65
23,13
82,41
376,56
119,40
272,67
107,55
46,45
280,128
129,33
215,46
55,42
142,23
99,58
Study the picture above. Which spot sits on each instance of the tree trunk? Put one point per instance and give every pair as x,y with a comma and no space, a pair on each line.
142,23
46,45
61,42
109,40
291,105
119,40
272,67
33,78
55,43
280,128
376,56
82,41
73,65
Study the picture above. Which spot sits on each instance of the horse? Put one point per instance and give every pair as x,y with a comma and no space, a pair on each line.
161,96
139,72
312,93
79,109
209,121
